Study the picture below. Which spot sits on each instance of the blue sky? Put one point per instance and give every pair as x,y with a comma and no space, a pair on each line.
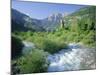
43,10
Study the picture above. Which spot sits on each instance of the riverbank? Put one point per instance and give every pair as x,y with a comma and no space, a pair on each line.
75,57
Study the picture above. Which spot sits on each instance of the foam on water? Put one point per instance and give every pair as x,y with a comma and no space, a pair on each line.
74,59
28,46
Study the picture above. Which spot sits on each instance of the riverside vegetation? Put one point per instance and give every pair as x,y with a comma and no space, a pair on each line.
78,27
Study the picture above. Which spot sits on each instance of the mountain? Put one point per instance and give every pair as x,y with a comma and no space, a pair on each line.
85,10
22,22
52,22
83,17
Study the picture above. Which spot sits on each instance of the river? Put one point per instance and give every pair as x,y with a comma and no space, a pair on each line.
75,57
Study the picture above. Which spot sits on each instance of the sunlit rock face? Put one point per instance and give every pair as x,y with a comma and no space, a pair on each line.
76,57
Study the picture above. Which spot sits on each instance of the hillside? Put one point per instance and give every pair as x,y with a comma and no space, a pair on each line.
84,17
22,22
56,43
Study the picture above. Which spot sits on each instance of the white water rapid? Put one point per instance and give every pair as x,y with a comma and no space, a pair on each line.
74,58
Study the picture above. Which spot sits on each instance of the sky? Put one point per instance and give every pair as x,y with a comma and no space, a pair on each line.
42,10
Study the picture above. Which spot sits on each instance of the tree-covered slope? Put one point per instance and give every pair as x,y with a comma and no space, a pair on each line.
84,19
22,22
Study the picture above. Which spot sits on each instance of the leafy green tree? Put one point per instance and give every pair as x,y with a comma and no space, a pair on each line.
34,62
16,47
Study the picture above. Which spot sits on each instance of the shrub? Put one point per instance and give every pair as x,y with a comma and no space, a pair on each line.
32,63
71,36
16,47
49,45
90,39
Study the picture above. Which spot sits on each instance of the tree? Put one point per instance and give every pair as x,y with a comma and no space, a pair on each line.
34,62
16,47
